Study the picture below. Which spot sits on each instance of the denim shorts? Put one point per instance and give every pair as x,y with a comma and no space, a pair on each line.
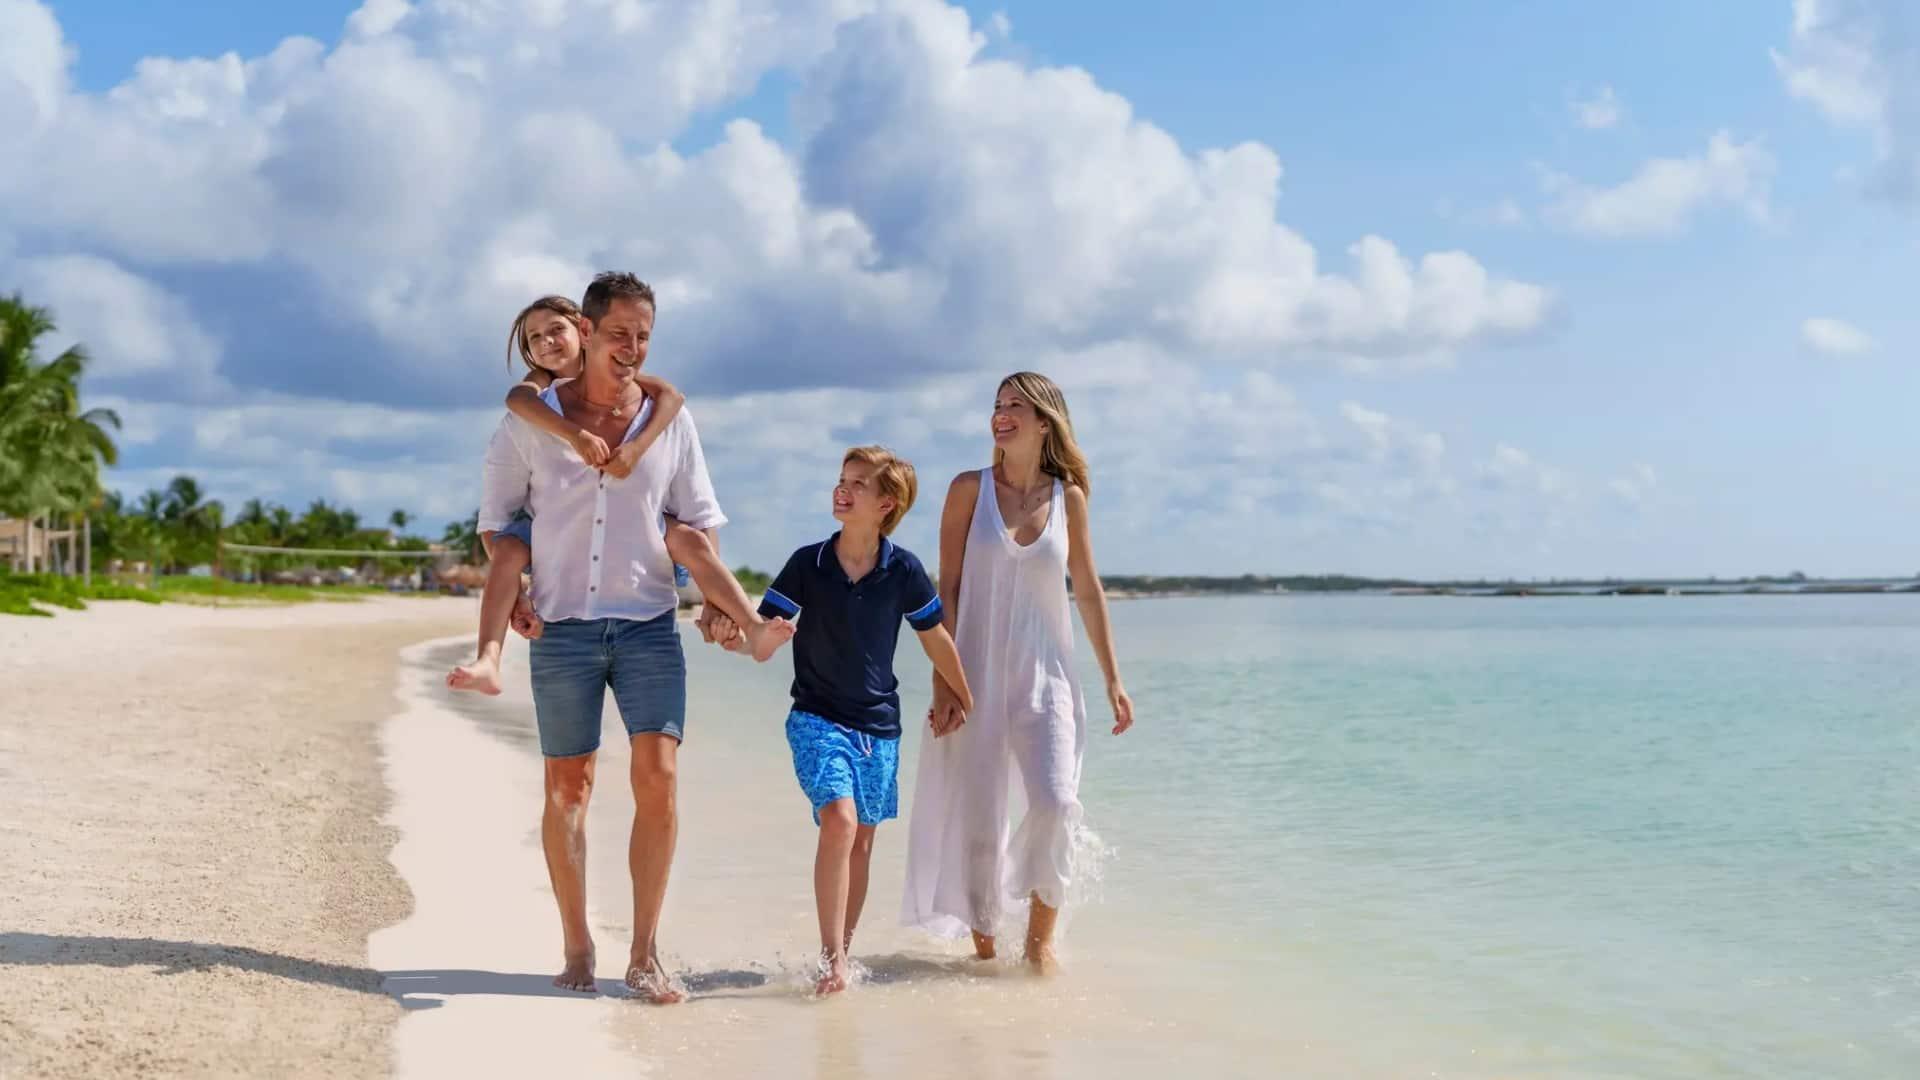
574,662
520,528
835,762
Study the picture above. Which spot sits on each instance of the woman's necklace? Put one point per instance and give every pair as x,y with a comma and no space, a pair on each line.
1027,498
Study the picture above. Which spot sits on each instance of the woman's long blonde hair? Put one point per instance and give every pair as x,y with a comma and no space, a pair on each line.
1060,456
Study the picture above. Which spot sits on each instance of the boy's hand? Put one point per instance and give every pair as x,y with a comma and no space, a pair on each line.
620,464
944,716
591,448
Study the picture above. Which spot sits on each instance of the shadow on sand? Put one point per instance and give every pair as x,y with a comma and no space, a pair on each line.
176,958
422,988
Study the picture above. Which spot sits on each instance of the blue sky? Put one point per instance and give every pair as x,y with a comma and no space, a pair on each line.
1666,330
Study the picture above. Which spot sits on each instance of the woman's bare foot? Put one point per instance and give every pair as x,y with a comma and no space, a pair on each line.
833,975
1042,960
578,974
648,980
982,945
482,676
765,637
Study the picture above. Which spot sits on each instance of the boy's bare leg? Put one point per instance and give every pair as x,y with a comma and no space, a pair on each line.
718,586
563,837
509,559
1040,920
831,870
858,864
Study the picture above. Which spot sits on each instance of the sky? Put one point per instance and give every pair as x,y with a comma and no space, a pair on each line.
1461,290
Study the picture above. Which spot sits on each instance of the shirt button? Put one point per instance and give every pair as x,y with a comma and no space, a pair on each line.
599,521
596,558
593,588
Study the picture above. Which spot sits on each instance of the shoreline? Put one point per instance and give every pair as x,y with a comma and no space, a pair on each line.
472,962
196,825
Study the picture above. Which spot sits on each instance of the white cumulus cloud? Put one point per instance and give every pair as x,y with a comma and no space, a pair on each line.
1599,112
1834,337
1858,61
1664,194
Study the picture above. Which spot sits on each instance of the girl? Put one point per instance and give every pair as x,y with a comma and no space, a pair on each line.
1009,536
547,334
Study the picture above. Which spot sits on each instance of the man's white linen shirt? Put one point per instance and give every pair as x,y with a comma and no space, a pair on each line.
598,548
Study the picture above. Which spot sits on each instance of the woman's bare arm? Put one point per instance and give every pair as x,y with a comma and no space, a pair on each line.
1091,598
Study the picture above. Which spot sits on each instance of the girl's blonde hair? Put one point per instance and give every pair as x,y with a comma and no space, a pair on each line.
1060,456
517,337
895,478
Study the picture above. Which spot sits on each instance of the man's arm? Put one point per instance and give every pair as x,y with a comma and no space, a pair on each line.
506,479
506,482
691,501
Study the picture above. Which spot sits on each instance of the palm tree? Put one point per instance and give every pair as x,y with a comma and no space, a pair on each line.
399,519
463,536
193,520
51,451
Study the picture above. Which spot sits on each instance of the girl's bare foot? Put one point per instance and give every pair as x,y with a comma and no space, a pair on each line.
765,637
482,676
982,945
833,975
577,974
648,980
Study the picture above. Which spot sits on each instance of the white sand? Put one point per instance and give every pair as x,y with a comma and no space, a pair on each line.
190,832
195,827
475,960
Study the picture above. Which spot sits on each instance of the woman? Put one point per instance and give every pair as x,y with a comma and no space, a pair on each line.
1009,536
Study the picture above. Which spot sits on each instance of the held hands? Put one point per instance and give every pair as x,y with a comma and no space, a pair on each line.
944,716
720,630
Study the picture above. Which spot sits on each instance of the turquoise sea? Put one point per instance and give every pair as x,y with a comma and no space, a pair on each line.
1378,836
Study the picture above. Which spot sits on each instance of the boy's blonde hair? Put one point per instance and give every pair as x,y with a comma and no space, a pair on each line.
893,475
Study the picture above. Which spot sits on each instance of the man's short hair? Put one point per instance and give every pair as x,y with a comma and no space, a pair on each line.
893,476
611,285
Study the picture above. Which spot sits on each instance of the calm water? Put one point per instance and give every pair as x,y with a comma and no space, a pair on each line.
1350,835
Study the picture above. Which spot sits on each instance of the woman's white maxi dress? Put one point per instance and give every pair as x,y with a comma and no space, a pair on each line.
1015,637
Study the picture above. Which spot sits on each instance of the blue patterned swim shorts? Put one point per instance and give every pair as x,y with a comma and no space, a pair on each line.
835,762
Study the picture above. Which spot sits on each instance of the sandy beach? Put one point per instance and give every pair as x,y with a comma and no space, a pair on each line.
191,809
267,841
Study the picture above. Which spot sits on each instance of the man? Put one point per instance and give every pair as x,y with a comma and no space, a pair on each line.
604,593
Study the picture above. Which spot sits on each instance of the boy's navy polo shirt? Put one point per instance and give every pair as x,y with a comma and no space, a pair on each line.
843,648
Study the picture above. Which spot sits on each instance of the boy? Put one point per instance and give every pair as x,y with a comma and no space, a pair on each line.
844,729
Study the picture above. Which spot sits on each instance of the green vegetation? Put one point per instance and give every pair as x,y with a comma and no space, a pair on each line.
51,450
20,592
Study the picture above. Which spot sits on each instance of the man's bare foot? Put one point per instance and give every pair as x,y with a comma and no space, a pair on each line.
1042,960
482,676
982,946
766,637
833,975
648,980
578,974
